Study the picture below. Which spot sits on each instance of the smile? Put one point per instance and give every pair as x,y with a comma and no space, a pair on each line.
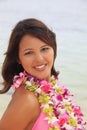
40,67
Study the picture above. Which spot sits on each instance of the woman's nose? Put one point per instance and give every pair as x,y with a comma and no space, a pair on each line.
39,57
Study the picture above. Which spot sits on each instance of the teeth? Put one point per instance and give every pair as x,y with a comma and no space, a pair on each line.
39,67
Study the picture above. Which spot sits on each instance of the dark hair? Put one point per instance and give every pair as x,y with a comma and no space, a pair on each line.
35,28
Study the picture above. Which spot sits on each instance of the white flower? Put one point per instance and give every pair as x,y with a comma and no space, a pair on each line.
51,120
28,83
38,90
68,127
45,106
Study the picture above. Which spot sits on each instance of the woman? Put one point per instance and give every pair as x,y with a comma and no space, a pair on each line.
39,101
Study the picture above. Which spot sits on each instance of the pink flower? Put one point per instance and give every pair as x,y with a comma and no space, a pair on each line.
63,119
18,80
45,86
77,111
59,97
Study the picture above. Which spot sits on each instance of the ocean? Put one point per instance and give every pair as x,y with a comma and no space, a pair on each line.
68,19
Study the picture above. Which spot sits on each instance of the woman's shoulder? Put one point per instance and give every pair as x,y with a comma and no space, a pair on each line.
25,95
26,99
23,108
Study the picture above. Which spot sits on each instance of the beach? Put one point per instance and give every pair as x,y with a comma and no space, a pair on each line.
4,101
68,19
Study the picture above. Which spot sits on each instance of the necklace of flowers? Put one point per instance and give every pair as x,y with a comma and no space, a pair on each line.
55,102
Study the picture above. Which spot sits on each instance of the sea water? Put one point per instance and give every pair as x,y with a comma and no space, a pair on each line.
68,19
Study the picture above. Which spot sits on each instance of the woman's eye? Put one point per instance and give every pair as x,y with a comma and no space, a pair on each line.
45,49
28,53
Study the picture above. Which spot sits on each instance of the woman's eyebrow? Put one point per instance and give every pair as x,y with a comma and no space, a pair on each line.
44,46
28,49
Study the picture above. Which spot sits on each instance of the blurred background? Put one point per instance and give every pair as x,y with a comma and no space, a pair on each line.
68,19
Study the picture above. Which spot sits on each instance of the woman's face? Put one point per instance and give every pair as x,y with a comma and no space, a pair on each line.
36,57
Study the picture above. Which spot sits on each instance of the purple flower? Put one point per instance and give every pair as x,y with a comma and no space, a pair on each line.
59,97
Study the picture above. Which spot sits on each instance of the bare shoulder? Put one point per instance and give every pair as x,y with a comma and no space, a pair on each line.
23,109
25,97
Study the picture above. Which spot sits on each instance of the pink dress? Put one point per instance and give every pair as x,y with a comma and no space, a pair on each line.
40,123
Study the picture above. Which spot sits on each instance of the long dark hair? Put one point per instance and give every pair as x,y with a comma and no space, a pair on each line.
35,28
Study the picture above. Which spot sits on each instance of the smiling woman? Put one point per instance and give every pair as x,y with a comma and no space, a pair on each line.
39,101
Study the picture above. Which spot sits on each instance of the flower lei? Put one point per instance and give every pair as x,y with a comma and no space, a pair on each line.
55,102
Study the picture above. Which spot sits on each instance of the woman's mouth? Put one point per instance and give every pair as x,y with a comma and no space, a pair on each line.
40,67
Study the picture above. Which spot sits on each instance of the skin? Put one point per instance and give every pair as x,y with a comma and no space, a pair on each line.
36,57
22,111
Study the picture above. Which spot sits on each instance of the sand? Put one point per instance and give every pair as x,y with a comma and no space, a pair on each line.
4,100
